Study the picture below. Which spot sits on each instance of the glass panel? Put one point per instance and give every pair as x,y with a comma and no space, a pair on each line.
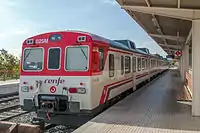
54,58
139,64
134,64
122,65
111,65
33,59
101,58
127,64
143,63
76,58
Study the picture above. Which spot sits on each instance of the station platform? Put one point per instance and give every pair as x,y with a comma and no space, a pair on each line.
8,82
9,86
153,108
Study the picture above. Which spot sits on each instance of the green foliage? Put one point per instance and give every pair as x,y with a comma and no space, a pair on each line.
9,64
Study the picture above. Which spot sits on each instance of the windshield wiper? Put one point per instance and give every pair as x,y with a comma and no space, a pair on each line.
27,55
83,52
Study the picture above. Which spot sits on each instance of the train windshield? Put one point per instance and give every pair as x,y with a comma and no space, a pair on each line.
77,58
33,59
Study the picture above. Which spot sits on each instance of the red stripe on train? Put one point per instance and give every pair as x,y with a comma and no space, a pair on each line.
105,89
141,75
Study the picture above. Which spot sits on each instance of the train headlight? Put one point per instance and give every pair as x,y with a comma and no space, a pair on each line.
81,90
81,39
30,42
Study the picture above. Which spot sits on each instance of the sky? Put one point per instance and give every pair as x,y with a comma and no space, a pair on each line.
21,19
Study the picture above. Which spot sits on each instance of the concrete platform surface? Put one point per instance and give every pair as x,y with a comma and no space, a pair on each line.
9,86
152,109
7,82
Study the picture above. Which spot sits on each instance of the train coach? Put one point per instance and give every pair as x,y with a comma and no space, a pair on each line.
68,77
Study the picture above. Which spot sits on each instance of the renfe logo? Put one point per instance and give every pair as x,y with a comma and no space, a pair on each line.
54,81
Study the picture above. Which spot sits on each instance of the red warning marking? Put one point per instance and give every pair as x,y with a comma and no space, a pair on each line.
53,89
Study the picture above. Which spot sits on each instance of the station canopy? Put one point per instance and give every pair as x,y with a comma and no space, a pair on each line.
171,33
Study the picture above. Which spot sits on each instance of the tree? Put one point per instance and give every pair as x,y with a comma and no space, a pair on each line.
8,63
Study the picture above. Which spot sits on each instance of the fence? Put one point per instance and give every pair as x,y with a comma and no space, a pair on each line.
8,75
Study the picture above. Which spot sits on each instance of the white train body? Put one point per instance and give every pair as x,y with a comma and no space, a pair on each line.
83,73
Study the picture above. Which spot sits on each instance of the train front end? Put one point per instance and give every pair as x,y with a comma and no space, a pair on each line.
55,77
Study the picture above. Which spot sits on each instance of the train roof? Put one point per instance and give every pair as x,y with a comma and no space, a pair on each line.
117,44
120,44
112,43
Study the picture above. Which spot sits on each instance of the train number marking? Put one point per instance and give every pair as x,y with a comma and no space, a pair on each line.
53,89
41,41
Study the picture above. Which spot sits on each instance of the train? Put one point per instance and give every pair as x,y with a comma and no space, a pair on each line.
67,77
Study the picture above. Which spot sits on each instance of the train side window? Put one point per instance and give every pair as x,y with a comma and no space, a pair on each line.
122,65
139,63
148,63
101,59
146,67
127,64
151,63
54,58
157,63
134,64
111,65
143,63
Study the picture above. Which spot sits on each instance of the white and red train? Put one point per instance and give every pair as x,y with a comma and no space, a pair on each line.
70,76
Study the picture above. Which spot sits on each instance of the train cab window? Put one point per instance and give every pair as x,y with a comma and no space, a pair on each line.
76,58
134,64
111,65
143,63
54,58
127,64
139,64
122,65
33,59
101,59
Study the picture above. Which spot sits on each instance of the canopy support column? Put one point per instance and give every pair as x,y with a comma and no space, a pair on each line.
184,62
195,67
181,67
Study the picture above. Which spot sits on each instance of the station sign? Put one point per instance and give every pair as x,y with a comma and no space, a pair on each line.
178,53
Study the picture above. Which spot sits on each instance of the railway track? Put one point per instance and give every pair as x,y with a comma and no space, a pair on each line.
49,126
9,106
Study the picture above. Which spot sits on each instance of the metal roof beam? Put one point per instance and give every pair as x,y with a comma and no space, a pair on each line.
155,21
148,3
170,50
179,13
121,2
170,46
168,37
